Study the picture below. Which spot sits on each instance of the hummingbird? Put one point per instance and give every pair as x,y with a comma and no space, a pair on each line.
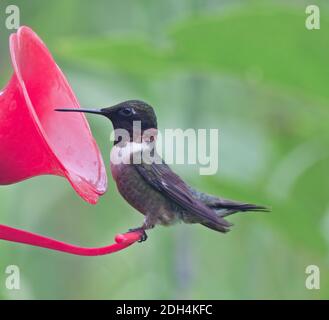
151,187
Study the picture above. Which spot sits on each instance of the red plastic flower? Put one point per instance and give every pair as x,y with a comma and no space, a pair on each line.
35,140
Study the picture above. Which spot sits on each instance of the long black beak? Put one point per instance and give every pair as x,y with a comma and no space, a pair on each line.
94,111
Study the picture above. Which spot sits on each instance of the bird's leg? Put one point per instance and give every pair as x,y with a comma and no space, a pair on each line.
144,235
148,224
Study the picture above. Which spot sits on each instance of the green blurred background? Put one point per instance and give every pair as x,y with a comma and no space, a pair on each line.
249,68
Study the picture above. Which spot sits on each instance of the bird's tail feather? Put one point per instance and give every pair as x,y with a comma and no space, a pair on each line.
224,212
218,204
224,208
230,208
237,206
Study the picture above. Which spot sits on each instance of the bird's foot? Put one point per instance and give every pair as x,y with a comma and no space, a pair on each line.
144,235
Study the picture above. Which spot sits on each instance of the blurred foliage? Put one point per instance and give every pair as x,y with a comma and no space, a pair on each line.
249,68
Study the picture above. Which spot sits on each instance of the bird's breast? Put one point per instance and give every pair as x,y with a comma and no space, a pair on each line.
122,155
136,191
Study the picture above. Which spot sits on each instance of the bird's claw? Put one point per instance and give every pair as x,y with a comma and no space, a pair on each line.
143,236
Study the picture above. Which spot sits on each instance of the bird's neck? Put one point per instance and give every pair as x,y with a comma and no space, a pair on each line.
122,137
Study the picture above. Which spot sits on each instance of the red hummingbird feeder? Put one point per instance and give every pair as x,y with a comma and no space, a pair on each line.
35,140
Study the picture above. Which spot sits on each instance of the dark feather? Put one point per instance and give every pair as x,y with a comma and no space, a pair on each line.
163,179
225,207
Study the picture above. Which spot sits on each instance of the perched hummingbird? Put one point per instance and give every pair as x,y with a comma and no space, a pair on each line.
152,187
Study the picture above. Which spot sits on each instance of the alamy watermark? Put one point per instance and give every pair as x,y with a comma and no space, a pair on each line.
13,17
174,146
312,21
12,281
312,281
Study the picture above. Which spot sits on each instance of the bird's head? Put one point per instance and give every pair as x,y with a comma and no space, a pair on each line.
126,115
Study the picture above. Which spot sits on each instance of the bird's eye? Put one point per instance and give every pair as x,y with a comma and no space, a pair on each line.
126,112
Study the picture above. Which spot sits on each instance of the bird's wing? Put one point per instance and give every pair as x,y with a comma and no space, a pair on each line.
163,179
